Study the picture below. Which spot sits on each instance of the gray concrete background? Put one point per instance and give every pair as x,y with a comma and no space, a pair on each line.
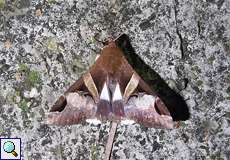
46,45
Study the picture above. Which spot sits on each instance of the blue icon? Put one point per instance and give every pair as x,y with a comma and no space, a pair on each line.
9,147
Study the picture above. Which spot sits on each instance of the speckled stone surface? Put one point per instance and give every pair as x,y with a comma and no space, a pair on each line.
46,45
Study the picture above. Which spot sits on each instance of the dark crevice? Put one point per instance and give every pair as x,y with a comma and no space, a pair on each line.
178,31
199,27
186,81
46,63
181,43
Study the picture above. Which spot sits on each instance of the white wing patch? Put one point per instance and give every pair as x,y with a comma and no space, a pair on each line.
127,122
105,93
142,101
93,121
117,93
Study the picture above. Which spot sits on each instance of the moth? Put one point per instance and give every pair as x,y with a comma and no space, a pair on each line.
112,89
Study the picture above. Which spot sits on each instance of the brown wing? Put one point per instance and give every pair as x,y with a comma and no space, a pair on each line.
147,114
77,109
112,69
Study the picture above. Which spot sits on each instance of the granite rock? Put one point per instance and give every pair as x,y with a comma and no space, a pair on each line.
46,45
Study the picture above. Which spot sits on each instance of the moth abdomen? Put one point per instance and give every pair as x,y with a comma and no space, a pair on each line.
104,109
118,109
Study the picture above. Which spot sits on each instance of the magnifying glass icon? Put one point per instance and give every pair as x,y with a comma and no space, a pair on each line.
9,147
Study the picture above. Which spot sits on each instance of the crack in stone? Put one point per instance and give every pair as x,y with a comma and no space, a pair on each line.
198,27
177,30
181,43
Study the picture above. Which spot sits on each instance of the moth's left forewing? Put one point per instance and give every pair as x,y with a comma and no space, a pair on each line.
78,109
142,109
